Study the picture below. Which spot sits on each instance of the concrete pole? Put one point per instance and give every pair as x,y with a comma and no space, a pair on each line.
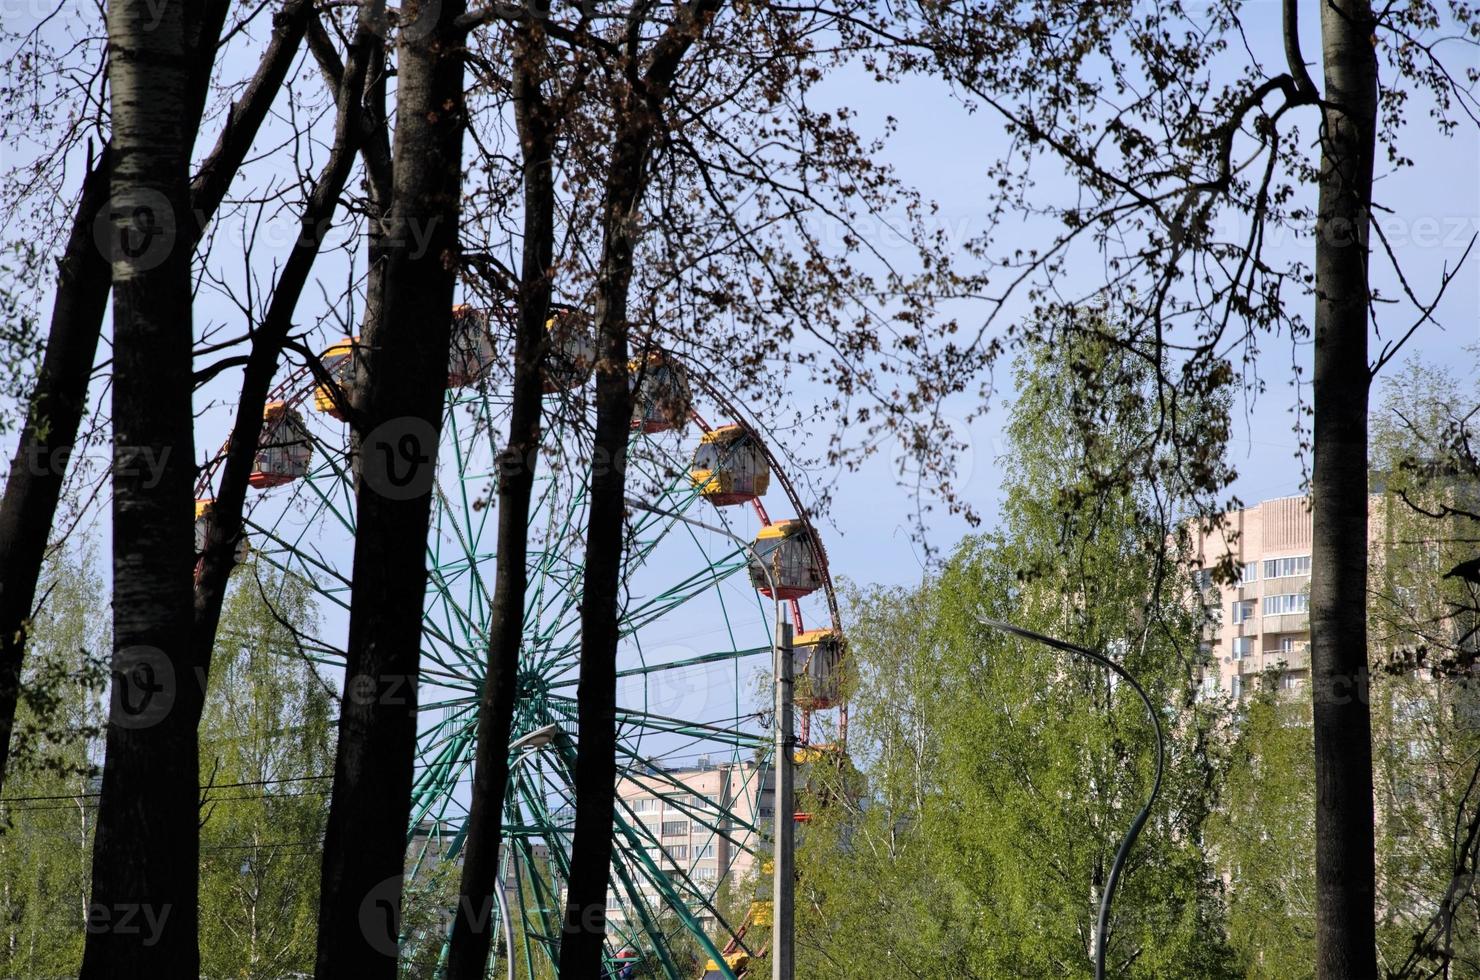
783,898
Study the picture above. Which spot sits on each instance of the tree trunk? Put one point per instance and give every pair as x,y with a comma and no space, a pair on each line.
34,486
584,930
473,924
399,393
143,913
1345,936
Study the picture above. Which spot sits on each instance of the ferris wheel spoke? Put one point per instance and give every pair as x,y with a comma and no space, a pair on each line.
649,611
649,722
665,602
663,883
720,656
479,594
527,869
556,548
454,619
447,754
643,774
638,902
310,567
486,423
569,593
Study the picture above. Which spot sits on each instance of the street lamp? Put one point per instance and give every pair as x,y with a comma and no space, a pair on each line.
782,892
532,742
1102,932
537,739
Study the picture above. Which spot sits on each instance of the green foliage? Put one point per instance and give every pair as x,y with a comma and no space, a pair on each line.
266,746
1001,776
1263,835
1423,611
46,839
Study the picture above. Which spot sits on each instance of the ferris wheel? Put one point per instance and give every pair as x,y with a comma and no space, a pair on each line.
690,829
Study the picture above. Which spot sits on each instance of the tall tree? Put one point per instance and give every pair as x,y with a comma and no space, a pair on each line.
145,855
34,484
1346,946
638,99
536,119
398,400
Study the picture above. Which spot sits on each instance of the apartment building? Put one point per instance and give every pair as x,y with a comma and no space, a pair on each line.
1262,621
700,821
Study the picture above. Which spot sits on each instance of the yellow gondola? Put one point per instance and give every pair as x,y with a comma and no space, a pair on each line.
470,349
729,467
660,394
817,656
284,451
572,353
204,512
338,360
793,564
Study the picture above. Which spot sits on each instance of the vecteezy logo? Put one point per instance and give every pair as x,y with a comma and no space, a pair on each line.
143,687
137,229
380,916
398,458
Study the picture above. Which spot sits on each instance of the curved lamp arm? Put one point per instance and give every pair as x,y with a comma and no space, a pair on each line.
1102,934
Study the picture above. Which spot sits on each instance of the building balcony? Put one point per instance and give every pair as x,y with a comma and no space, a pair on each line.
1288,623
1297,658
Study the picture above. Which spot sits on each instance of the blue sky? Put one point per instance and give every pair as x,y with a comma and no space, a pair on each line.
943,151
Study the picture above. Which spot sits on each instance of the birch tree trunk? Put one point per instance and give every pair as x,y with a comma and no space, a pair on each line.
34,484
143,911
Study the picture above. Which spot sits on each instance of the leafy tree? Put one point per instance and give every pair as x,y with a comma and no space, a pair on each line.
1261,837
1177,124
1001,777
51,796
1424,608
266,746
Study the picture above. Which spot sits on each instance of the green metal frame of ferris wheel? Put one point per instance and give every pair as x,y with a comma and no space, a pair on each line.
659,898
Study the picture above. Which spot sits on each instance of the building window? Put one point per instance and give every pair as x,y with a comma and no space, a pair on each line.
1243,611
678,852
1287,644
706,874
1203,577
1285,567
1248,572
675,828
1236,687
703,851
1242,647
1284,605
1209,683
644,804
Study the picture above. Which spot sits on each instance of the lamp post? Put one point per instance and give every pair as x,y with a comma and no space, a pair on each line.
784,859
1102,932
528,746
